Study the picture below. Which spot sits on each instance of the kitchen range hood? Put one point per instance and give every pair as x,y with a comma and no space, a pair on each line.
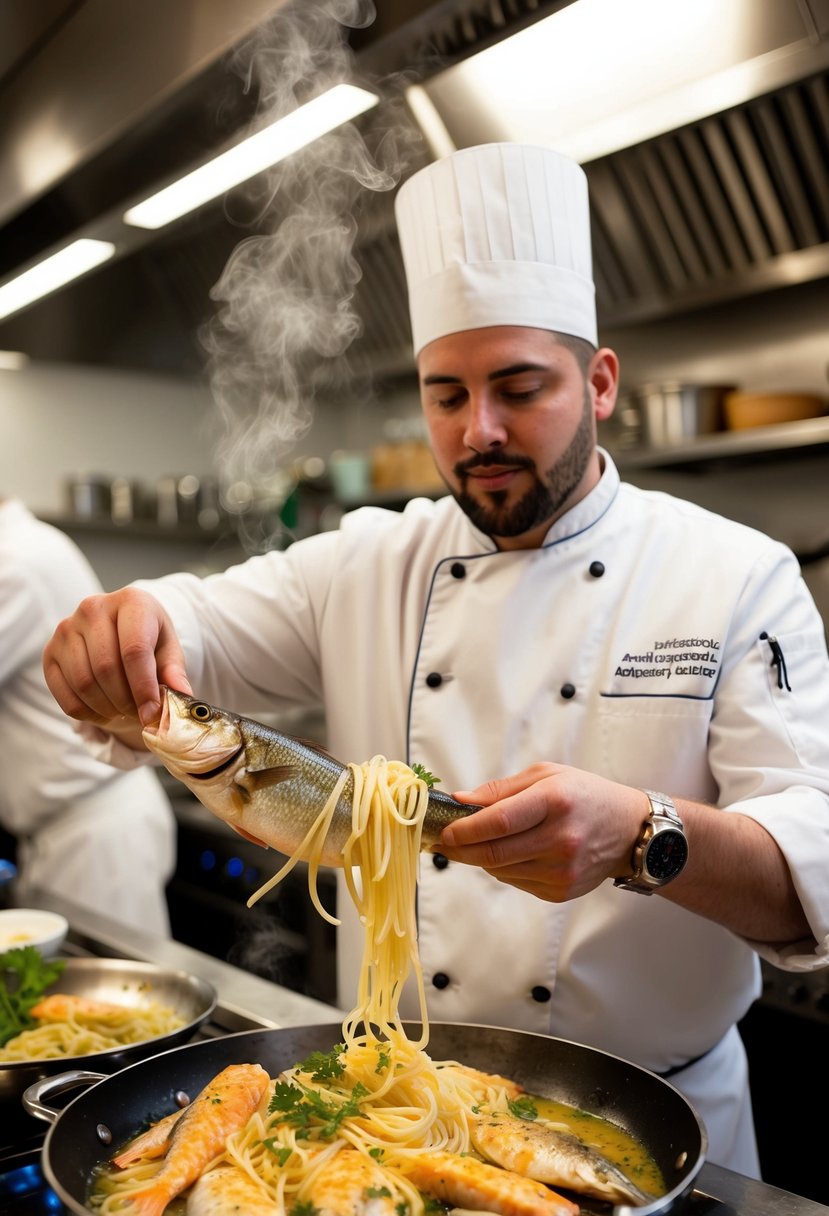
704,135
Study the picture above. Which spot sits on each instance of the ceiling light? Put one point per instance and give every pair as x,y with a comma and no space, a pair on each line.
600,75
258,152
53,272
430,122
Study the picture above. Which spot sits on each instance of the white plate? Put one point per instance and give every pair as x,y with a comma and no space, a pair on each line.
32,927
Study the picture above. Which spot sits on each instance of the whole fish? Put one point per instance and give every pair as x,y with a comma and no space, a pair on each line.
270,787
466,1182
555,1157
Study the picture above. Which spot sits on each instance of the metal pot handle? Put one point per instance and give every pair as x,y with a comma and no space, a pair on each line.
48,1087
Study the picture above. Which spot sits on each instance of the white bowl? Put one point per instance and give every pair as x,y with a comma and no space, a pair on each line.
32,927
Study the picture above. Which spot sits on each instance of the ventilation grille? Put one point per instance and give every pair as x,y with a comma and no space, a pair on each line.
729,205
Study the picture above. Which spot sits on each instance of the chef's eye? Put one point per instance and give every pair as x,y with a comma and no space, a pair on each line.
517,396
201,712
451,400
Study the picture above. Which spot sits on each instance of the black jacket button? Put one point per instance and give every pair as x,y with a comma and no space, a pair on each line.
439,861
440,979
568,691
434,679
458,570
597,569
539,993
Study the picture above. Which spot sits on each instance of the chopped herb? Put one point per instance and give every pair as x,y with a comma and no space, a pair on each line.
306,1109
523,1108
433,1206
377,1192
383,1058
24,977
282,1153
402,1208
376,1153
306,1208
424,775
324,1065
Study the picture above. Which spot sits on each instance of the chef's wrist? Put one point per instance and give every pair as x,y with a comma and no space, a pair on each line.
635,814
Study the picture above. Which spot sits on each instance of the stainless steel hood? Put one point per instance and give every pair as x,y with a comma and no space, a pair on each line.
99,101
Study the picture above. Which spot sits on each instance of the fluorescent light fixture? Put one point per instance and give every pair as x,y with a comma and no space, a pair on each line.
430,122
53,272
252,155
599,75
12,360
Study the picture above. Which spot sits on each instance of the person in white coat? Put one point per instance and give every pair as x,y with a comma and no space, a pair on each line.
103,839
636,690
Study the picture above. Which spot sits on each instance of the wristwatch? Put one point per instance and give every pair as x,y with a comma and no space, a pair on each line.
661,849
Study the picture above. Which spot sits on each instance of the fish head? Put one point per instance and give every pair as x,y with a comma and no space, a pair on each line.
192,738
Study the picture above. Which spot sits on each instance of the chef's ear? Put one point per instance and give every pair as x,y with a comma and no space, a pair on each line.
603,382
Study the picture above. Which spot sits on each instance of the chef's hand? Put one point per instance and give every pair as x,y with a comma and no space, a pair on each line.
104,663
554,831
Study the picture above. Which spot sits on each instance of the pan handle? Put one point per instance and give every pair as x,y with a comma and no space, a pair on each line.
48,1087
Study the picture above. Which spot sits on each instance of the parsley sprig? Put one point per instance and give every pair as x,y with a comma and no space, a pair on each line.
324,1065
424,775
308,1111
24,977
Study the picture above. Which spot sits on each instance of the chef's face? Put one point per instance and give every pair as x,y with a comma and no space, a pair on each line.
511,413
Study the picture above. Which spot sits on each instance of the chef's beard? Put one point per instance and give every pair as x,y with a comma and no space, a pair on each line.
545,497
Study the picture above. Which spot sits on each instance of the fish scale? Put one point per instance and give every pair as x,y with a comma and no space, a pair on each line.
268,786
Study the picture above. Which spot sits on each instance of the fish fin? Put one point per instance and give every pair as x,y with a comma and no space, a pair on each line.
248,836
253,779
314,746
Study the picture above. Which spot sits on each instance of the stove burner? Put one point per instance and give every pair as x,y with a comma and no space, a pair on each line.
25,1192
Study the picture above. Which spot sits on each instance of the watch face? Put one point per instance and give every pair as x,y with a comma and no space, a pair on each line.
666,854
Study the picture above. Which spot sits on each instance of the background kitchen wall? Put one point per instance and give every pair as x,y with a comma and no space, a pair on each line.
63,421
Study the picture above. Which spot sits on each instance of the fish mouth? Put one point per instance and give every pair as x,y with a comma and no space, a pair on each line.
220,768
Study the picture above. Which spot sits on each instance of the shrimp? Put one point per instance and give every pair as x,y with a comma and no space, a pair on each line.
61,1006
228,1191
469,1183
223,1107
351,1183
152,1143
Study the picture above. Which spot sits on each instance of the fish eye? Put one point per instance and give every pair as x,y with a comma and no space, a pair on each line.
201,712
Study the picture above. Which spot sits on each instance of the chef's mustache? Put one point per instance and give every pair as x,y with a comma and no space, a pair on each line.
486,460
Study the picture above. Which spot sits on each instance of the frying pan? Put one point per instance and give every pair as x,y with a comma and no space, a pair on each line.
642,1103
121,982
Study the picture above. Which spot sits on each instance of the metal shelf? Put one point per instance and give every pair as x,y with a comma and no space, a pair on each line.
139,530
788,439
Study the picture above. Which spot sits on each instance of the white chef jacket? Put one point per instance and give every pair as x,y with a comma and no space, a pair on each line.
634,644
84,831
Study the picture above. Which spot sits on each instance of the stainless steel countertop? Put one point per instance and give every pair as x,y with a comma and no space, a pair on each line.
719,1192
237,989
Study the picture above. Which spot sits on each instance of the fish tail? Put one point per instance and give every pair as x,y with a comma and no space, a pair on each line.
150,1202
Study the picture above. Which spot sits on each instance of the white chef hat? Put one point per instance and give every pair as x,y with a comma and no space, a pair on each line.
497,235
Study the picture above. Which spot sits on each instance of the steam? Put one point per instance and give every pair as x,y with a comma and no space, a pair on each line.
285,317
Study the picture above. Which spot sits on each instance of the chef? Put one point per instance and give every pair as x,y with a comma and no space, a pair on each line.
103,839
635,690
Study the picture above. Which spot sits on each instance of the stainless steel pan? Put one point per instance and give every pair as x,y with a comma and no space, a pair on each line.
642,1103
125,983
